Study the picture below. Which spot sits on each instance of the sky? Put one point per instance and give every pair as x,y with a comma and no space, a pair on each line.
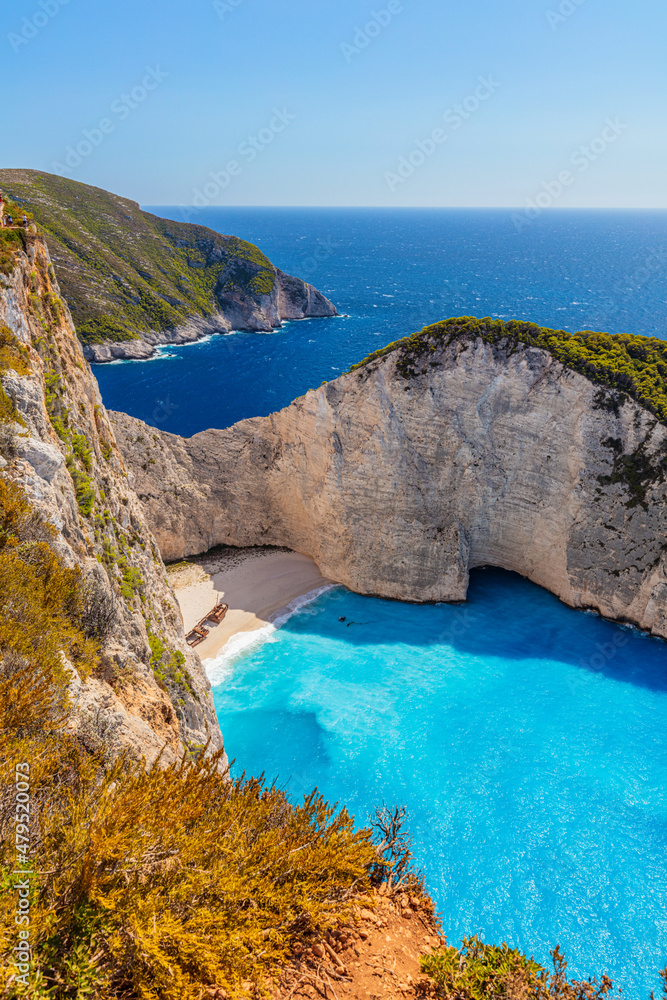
558,103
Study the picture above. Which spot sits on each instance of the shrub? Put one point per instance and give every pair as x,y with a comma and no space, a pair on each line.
98,612
83,451
479,971
395,859
154,902
55,407
168,666
132,582
8,437
14,357
42,599
663,976
8,411
84,489
13,354
10,243
103,328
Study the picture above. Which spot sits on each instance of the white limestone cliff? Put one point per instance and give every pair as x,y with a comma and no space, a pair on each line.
399,486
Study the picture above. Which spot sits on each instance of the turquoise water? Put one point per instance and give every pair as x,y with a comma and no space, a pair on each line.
528,742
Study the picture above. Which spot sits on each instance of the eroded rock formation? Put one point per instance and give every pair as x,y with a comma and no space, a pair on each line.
60,448
398,485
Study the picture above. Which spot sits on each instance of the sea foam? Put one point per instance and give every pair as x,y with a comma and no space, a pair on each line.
219,668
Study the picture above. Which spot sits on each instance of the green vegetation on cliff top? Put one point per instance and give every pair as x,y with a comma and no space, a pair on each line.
130,899
125,272
631,365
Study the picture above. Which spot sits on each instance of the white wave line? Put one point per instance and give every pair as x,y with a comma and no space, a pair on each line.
218,668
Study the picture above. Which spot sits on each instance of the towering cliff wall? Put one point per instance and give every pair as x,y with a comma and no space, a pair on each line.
134,280
403,475
57,444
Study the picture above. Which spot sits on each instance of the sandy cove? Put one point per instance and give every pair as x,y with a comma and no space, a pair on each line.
256,583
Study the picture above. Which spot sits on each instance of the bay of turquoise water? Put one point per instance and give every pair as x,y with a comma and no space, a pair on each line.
528,741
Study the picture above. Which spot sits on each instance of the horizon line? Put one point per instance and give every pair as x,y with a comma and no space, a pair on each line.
437,208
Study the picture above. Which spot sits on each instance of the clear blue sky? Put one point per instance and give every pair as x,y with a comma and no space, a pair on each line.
356,111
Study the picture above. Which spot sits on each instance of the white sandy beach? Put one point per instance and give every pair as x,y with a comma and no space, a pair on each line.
256,583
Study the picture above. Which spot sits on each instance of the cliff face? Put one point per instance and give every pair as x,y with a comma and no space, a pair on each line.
134,280
57,443
398,485
235,309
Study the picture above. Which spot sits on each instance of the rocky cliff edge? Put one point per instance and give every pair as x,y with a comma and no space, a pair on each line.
134,280
150,693
399,480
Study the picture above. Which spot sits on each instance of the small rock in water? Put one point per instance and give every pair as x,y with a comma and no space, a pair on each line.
343,619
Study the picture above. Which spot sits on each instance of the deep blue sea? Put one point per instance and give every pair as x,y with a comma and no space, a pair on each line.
528,741
391,272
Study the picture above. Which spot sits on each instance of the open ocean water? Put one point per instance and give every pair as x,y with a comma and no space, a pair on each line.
528,741
391,272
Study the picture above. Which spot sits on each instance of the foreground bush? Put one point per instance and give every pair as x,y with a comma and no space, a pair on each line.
477,970
480,971
157,883
166,881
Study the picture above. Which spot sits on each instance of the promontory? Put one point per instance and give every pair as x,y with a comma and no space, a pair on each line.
133,280
474,443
